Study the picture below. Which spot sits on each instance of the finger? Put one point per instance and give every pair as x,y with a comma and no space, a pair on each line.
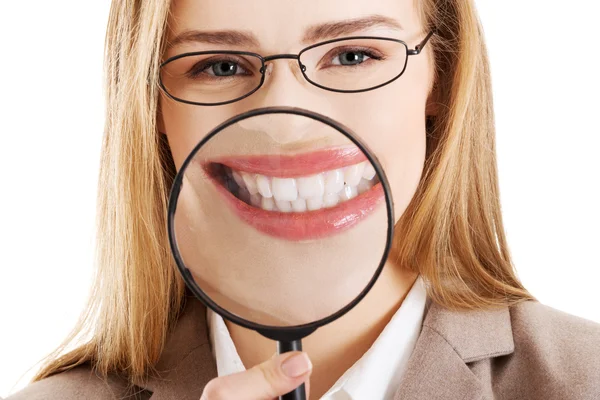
275,377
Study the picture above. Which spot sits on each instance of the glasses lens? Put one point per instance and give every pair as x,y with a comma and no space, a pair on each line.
355,64
211,78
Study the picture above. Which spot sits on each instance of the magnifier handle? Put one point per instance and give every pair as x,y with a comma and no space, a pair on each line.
297,394
283,347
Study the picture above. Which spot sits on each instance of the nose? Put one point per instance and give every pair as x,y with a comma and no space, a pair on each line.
284,85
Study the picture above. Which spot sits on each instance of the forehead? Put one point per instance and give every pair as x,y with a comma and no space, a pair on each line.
281,25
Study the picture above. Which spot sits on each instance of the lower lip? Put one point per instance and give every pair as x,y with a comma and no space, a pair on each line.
310,224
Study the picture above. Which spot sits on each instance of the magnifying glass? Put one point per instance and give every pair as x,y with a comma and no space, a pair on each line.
280,220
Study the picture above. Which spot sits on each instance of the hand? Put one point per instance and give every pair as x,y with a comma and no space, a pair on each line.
275,377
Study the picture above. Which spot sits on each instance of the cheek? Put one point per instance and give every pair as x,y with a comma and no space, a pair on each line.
392,123
186,125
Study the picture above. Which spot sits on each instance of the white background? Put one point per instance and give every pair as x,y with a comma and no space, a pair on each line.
545,67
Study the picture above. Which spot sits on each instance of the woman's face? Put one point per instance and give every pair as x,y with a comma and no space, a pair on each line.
390,120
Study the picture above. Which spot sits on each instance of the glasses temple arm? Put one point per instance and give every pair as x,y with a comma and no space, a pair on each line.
420,46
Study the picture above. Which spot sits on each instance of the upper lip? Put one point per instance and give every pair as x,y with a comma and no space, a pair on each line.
293,165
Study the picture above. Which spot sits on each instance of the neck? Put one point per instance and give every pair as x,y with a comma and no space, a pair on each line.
335,347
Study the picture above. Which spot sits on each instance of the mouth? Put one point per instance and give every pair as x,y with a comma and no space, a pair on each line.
307,196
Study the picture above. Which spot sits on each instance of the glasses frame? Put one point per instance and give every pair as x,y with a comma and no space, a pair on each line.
409,52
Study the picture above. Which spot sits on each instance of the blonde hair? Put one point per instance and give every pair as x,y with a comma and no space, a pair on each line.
451,232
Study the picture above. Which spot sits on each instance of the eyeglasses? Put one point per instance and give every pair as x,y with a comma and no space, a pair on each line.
347,65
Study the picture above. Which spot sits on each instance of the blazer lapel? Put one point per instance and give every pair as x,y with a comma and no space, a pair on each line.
186,364
449,340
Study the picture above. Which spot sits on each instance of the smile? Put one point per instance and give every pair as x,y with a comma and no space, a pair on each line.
299,197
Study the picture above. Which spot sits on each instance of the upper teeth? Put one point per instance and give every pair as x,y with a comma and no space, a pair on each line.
313,192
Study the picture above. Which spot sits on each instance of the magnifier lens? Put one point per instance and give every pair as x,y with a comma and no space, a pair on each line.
280,219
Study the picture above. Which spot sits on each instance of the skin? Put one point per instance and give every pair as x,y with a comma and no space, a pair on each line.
390,119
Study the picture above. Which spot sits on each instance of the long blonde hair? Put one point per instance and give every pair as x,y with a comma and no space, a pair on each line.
451,233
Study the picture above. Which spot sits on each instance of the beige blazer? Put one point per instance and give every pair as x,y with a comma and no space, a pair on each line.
529,352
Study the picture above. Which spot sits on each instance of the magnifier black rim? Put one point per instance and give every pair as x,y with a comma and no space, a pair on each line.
278,332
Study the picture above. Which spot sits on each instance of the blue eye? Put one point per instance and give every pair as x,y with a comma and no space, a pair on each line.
351,57
219,68
223,68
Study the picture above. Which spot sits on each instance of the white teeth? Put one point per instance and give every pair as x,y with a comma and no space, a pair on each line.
264,186
283,206
330,200
334,181
364,185
353,173
312,186
314,203
250,182
284,189
369,171
267,203
300,194
299,205
348,193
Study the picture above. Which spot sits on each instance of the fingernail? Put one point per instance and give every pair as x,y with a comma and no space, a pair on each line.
296,365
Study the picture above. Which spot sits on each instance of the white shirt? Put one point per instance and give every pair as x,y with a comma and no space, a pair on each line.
376,375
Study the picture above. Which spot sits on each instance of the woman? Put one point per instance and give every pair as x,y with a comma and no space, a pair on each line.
447,318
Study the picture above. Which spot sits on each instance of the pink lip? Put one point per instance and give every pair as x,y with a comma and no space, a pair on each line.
305,225
291,166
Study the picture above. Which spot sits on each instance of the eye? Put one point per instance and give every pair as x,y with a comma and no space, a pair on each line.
353,57
350,56
224,68
217,68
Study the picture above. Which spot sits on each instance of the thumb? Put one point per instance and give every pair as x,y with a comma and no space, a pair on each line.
275,377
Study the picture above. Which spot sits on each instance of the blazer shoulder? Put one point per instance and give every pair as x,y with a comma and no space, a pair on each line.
562,346
80,383
534,320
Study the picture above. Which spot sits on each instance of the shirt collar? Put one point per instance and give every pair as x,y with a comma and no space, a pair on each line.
377,373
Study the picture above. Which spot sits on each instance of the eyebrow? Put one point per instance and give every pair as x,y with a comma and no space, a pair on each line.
314,33
332,30
227,37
